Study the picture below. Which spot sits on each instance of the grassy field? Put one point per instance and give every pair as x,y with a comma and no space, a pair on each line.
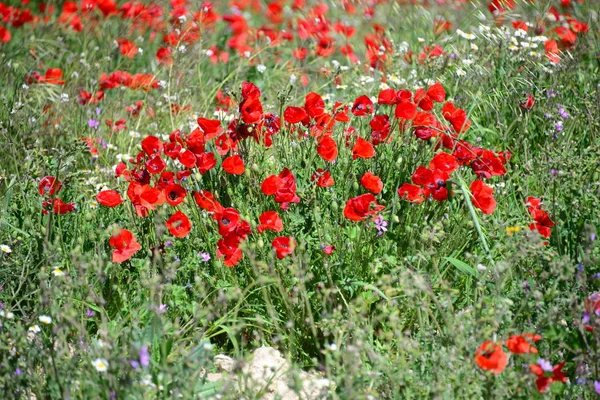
399,195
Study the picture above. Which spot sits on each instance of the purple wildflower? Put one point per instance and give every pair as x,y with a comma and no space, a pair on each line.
586,318
92,123
204,256
562,112
545,365
89,313
144,356
597,386
558,126
381,225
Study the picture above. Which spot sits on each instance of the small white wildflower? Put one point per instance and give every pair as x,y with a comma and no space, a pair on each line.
134,134
293,78
64,97
100,364
35,329
261,68
5,249
247,54
57,271
25,86
45,319
6,314
481,267
140,50
521,33
331,347
208,346
474,47
181,49
421,40
461,72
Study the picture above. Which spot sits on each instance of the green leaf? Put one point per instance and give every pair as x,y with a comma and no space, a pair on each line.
464,267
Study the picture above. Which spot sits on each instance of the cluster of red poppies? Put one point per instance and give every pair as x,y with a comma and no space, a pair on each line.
48,187
491,357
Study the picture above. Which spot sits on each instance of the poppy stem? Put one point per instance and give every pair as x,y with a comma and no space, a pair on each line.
467,196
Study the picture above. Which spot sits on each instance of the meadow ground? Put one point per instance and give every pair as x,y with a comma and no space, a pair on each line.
400,196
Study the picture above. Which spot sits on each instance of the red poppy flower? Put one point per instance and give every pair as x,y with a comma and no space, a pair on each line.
444,162
163,56
228,247
520,344
124,245
372,183
406,110
109,198
5,35
48,186
186,158
387,96
52,77
206,201
528,103
228,219
250,91
543,223
144,197
234,165
361,207
362,149
179,224
210,127
314,105
437,93
175,194
362,106
284,246
205,162
490,357
433,182
127,47
294,115
380,128
328,250
545,378
270,220
483,197
327,148
457,117
412,193
58,207
251,110
283,186
323,178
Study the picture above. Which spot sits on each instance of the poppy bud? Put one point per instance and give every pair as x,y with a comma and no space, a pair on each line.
260,243
334,205
396,219
399,161
247,173
317,215
355,185
230,192
255,167
198,176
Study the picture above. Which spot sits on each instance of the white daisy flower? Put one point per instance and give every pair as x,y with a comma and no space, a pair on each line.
5,249
35,329
100,364
45,319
